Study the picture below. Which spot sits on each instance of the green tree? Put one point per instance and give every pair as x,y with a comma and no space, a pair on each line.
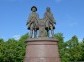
13,50
22,47
83,40
82,50
74,49
62,47
2,48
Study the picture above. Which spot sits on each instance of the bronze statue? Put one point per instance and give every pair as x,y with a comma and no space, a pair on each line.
43,25
33,22
48,16
42,47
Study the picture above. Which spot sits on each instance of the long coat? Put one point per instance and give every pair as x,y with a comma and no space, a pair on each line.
33,21
49,20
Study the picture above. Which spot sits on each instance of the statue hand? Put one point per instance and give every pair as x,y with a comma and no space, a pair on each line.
54,22
27,23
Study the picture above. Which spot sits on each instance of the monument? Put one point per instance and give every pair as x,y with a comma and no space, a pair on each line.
41,46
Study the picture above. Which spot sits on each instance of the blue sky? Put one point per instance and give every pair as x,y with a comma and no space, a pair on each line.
69,15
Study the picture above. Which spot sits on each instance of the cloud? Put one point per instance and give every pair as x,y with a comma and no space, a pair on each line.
16,37
80,40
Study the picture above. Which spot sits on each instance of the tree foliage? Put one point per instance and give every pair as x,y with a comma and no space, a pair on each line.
13,50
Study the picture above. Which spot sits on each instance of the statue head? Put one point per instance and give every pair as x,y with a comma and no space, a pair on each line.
48,9
34,9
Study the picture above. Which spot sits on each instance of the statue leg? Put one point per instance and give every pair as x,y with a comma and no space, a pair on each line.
48,33
35,33
52,32
31,33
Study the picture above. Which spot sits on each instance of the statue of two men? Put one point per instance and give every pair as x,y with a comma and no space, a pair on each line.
34,24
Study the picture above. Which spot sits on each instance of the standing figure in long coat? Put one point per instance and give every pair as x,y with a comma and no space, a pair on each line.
48,16
33,22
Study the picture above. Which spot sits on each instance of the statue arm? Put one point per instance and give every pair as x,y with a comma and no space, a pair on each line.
29,19
37,17
27,22
54,21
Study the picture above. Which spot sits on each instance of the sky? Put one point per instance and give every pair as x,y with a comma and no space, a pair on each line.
69,16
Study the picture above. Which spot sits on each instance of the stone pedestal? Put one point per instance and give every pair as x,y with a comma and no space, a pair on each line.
42,50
